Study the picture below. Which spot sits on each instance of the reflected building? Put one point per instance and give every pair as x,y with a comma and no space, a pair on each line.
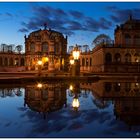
128,110
48,98
112,89
125,97
10,92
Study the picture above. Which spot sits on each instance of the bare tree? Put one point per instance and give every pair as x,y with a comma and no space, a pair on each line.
19,48
86,48
3,47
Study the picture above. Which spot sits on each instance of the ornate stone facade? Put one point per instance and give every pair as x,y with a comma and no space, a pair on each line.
48,44
123,55
11,62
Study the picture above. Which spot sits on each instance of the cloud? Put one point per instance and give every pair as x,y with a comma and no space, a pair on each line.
120,15
76,14
8,14
23,30
66,22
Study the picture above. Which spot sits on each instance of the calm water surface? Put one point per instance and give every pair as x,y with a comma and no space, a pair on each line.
105,109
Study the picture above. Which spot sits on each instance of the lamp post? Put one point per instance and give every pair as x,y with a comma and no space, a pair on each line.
39,62
75,63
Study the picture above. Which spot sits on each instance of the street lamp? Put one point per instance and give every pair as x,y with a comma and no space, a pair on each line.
75,103
76,54
75,63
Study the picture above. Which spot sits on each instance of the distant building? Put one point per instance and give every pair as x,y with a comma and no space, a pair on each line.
12,62
122,56
46,44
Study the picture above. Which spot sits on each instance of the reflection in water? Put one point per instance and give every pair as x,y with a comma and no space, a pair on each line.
128,110
110,108
8,92
45,98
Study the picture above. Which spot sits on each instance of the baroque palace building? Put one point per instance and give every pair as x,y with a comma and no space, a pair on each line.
122,56
49,46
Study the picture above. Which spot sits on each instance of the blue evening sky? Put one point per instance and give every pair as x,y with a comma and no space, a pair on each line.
81,21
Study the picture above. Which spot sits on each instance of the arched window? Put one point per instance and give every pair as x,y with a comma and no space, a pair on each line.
22,62
127,87
32,47
137,40
45,47
83,61
117,57
90,61
137,56
86,61
108,87
108,58
127,57
11,62
127,39
0,61
5,61
56,48
16,63
117,87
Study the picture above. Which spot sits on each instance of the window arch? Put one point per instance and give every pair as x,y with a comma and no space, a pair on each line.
32,47
137,40
127,57
83,61
5,61
108,58
127,87
45,47
90,61
16,63
117,57
22,61
108,87
11,62
127,39
56,48
87,62
136,55
117,87
0,61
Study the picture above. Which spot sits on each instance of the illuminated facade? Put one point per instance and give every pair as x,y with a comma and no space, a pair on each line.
122,56
12,62
49,46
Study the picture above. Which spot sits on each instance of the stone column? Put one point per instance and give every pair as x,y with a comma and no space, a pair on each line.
51,66
75,68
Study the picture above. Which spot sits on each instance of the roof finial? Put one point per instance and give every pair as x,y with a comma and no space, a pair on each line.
45,26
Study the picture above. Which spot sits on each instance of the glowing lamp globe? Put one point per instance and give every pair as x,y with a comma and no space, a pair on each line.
75,103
